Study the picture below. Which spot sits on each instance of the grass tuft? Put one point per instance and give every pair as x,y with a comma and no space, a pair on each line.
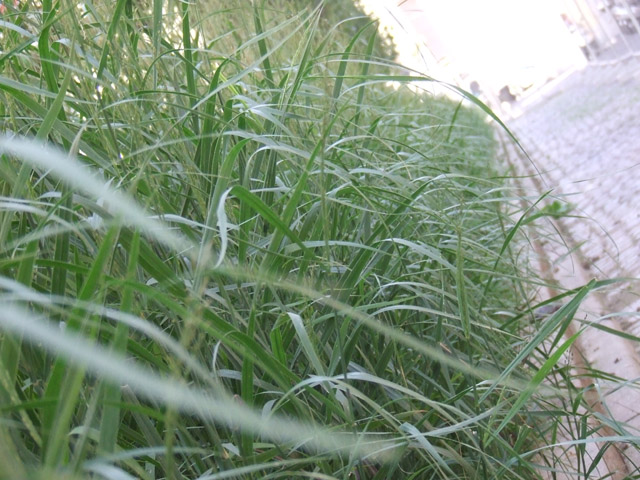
235,242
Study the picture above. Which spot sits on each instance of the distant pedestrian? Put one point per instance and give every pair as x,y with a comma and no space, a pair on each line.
505,95
475,88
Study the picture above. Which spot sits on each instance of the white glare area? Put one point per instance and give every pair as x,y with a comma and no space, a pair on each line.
520,43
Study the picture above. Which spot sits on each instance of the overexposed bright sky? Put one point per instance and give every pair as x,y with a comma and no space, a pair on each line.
493,40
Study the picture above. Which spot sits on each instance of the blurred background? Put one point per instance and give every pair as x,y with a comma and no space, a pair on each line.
505,51
564,76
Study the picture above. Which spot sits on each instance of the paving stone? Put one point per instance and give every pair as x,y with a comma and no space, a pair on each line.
584,135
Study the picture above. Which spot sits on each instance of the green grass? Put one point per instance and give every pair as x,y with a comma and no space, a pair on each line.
229,249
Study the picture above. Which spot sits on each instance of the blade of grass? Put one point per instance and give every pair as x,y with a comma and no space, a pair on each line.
537,379
63,386
110,421
461,289
561,318
113,27
189,64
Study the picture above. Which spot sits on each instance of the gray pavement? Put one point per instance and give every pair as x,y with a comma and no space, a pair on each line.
582,132
584,136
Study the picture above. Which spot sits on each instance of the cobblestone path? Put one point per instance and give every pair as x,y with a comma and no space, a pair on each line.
584,137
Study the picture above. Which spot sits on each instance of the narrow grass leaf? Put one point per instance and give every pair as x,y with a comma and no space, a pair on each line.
537,379
560,318
305,343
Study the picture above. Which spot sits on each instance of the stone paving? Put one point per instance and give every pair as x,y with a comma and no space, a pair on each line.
582,132
583,135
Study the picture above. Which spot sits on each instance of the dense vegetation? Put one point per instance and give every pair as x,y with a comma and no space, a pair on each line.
236,242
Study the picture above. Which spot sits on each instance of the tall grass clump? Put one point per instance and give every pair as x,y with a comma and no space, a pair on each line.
234,243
